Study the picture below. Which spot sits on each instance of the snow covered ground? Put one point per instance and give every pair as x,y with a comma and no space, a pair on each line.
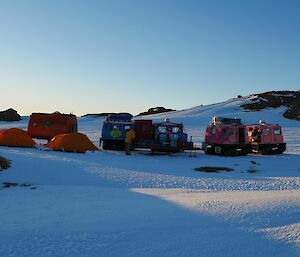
109,204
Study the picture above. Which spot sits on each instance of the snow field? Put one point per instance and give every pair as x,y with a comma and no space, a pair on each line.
109,204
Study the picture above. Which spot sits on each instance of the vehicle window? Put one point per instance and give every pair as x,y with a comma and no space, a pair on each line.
213,131
162,129
267,131
175,130
277,131
173,136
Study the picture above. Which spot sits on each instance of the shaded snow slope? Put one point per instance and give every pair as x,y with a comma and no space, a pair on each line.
110,204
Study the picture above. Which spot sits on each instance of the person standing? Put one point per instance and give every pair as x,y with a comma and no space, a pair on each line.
129,140
256,135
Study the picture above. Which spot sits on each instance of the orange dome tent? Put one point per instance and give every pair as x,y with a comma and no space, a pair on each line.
16,137
72,142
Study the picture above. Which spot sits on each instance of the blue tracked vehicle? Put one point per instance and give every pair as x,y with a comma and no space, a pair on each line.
114,131
159,137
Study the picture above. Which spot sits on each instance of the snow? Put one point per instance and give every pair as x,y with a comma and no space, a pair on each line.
109,204
289,232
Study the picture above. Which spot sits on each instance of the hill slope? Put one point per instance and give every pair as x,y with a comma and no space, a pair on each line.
201,115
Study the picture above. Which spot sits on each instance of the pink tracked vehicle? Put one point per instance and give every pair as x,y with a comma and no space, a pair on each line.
226,136
266,138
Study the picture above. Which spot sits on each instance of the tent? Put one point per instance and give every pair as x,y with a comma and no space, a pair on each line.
72,142
15,137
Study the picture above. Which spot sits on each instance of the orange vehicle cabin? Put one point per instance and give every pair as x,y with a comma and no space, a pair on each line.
48,125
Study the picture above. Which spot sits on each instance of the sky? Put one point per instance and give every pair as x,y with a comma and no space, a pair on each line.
93,56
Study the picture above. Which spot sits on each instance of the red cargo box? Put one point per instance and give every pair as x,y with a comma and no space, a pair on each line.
143,129
48,125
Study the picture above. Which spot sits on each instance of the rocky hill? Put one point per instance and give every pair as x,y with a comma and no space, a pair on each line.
275,99
293,111
155,110
9,115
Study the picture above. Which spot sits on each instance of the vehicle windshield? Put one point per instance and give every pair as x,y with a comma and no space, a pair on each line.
175,129
267,131
277,131
162,129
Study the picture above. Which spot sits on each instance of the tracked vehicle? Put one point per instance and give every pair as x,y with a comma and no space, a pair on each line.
226,136
266,138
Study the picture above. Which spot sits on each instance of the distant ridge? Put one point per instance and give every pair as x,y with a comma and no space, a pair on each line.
103,114
155,110
276,99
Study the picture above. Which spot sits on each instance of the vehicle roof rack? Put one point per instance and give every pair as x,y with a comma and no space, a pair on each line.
230,121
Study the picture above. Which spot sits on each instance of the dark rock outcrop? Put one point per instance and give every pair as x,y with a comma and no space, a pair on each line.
103,114
9,115
275,99
4,163
293,111
155,110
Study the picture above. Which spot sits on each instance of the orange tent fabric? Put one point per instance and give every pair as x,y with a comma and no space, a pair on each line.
16,137
72,142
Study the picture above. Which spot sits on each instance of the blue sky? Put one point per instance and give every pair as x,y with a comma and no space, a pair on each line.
129,55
